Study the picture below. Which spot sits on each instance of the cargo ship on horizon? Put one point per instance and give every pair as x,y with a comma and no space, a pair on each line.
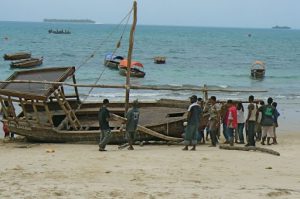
281,27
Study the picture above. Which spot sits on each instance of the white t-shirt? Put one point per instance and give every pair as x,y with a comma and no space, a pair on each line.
240,116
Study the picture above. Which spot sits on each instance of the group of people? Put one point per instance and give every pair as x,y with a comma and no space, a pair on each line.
260,123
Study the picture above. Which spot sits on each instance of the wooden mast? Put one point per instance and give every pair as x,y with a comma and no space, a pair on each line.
131,42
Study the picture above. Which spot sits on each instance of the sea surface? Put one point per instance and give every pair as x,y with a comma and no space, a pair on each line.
217,57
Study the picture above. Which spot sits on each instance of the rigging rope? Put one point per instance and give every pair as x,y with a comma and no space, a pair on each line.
95,51
108,36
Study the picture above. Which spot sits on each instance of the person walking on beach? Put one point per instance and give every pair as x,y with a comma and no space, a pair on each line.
104,117
251,121
241,122
276,115
214,120
231,122
132,117
193,121
267,121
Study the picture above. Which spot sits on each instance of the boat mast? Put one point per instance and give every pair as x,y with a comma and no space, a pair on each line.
131,41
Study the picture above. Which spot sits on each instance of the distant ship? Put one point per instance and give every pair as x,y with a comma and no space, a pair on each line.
281,27
70,21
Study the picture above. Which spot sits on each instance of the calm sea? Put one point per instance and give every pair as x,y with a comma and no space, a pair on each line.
217,57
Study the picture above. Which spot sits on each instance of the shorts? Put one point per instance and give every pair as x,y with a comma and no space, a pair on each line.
268,131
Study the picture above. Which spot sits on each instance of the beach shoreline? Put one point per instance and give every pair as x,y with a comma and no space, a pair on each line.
34,170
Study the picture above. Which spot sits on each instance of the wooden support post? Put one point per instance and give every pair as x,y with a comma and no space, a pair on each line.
24,109
35,112
48,114
76,88
205,92
131,42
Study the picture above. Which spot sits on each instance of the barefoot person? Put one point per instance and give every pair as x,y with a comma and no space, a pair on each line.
231,122
251,121
214,120
104,117
276,115
193,121
267,121
131,123
241,122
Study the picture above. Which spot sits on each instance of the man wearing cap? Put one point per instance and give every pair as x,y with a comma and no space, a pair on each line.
193,121
131,123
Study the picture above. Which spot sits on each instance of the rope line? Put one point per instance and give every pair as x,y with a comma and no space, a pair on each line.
106,38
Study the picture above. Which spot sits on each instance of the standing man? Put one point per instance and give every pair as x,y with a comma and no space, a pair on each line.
267,121
251,121
104,117
231,122
131,123
214,120
193,119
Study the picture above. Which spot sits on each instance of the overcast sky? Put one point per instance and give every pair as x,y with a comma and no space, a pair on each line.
217,13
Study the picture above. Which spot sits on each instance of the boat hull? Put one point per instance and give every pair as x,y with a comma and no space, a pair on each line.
111,64
139,74
257,73
27,63
16,56
161,118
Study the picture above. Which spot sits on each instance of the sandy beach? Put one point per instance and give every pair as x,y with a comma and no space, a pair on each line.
32,170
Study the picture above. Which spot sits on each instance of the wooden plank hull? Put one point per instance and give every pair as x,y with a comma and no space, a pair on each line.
161,118
139,74
111,64
17,56
27,63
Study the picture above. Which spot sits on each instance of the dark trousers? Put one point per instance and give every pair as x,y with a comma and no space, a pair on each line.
251,133
240,131
105,136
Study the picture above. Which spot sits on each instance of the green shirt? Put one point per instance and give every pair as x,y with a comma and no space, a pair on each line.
268,112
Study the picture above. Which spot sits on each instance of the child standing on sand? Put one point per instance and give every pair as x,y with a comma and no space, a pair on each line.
5,128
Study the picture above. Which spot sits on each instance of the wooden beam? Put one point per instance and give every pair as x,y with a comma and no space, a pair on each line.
250,148
149,131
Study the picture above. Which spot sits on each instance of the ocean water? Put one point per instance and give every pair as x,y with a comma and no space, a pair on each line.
217,57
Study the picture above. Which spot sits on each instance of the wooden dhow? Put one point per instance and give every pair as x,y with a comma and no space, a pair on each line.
48,114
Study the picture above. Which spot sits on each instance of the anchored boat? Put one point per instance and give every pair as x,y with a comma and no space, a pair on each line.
258,69
135,69
112,61
27,63
17,56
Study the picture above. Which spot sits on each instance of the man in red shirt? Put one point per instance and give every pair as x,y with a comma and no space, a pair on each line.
231,121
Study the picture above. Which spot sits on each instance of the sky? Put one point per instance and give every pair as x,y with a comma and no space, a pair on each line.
208,13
